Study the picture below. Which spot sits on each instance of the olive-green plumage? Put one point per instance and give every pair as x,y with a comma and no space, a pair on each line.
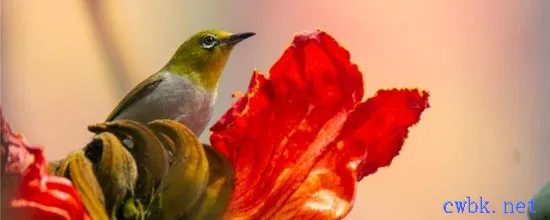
185,88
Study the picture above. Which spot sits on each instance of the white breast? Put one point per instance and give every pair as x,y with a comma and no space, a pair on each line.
176,98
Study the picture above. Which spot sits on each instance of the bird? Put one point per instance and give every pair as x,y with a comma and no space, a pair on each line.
185,89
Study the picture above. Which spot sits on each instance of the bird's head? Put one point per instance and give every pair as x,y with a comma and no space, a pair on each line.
202,56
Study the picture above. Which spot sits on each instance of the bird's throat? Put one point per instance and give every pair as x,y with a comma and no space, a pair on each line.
207,79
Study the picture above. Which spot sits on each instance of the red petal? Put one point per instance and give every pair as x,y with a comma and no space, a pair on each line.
32,210
37,195
379,126
300,140
53,192
371,137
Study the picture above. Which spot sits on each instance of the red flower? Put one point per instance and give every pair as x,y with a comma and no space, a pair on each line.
37,195
300,139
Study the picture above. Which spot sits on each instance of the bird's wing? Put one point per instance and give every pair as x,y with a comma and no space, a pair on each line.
140,91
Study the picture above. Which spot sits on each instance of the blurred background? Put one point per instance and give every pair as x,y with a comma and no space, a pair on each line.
66,64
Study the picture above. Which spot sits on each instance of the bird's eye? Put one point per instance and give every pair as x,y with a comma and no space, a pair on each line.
208,41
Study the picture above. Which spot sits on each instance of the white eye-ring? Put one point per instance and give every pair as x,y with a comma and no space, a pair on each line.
208,41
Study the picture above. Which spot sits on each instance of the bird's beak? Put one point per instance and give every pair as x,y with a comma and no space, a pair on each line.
236,38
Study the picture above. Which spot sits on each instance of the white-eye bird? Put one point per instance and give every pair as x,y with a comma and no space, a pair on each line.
185,89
